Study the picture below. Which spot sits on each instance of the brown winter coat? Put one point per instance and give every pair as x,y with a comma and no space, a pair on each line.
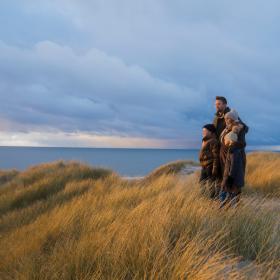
209,154
234,171
240,130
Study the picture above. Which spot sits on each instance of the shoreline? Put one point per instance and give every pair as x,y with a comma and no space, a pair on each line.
187,170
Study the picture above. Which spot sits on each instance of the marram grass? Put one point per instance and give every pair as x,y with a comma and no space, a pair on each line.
71,221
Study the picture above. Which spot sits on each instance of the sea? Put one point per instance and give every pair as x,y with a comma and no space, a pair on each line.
126,162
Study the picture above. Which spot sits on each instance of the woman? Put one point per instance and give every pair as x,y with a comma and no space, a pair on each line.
232,158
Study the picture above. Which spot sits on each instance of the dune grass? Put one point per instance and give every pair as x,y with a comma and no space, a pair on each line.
6,176
263,173
71,221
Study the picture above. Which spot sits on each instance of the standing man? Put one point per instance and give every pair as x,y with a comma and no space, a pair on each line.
221,110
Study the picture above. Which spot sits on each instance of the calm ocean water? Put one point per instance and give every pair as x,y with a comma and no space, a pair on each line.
127,162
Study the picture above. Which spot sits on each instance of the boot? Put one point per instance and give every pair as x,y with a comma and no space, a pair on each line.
224,199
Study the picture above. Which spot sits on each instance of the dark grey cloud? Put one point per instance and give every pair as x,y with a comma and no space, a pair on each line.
52,85
141,68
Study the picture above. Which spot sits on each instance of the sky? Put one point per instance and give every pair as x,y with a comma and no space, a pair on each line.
136,74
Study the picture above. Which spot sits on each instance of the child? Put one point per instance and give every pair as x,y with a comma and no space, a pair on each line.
209,159
233,176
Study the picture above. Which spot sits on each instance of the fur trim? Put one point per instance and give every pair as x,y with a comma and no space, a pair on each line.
237,128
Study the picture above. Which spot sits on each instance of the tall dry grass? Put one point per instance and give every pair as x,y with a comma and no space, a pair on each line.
263,172
92,224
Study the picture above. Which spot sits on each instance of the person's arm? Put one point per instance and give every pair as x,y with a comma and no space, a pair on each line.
216,160
246,127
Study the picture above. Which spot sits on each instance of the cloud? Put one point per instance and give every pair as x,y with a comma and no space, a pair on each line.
141,69
51,86
78,139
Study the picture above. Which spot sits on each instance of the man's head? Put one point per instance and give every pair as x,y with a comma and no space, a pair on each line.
221,103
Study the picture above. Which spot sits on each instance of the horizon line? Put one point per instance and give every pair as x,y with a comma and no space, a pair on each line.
250,147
